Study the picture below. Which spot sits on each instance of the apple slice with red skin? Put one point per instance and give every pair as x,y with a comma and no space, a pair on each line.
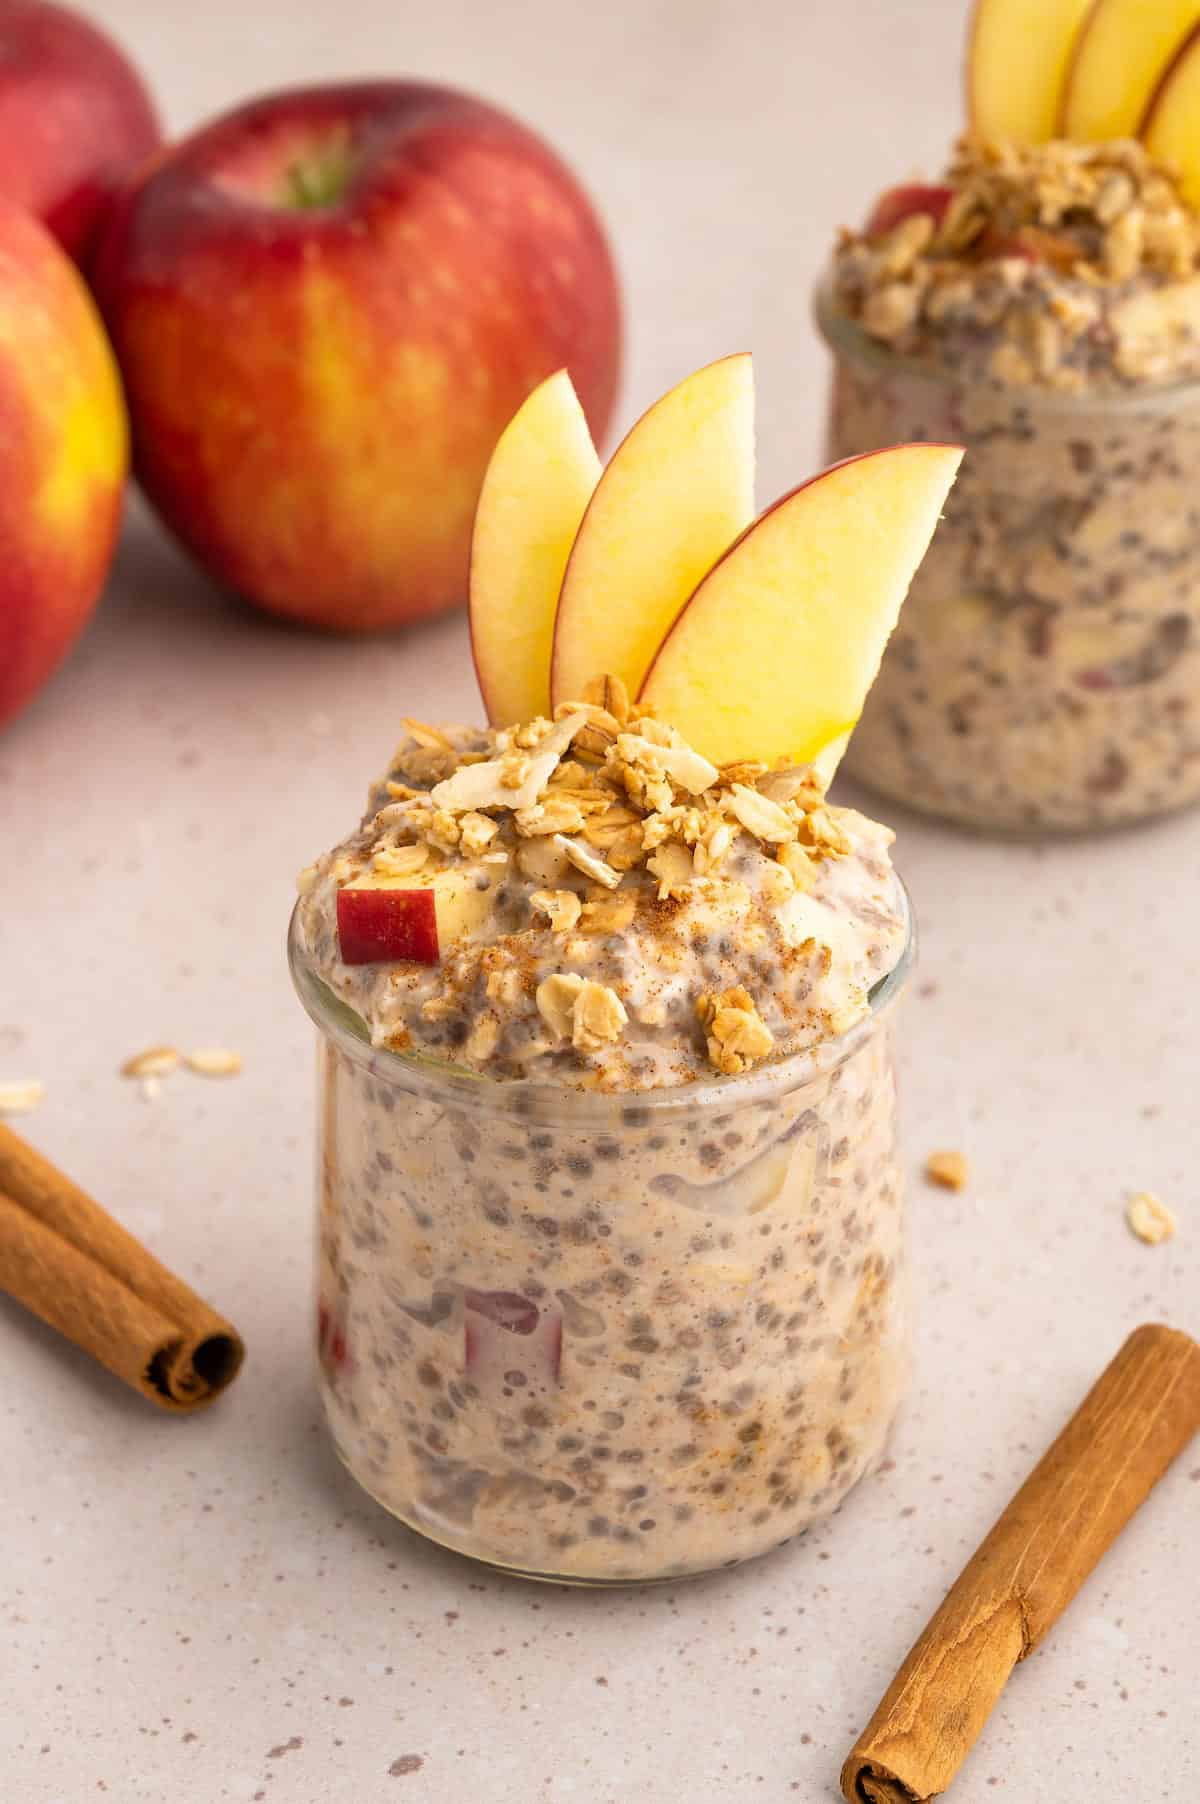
898,204
384,926
512,1347
774,654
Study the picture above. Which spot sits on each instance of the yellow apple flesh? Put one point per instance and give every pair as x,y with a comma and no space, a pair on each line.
537,487
1169,130
677,492
1013,92
774,654
1120,55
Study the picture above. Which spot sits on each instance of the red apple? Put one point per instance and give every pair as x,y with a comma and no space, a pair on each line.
63,456
74,119
328,305
377,926
900,203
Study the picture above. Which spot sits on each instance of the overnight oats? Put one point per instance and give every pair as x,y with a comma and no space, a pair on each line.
612,1266
612,1256
1042,306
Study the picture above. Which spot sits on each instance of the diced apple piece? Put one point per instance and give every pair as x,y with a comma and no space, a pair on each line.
512,1348
897,204
332,1348
447,906
1120,56
383,926
1169,129
1018,55
537,487
678,491
774,654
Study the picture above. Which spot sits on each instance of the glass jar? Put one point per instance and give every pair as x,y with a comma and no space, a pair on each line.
1045,673
606,1339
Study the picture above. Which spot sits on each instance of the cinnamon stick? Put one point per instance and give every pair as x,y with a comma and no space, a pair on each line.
1141,1412
66,1259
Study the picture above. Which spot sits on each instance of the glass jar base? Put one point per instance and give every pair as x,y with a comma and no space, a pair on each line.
579,1582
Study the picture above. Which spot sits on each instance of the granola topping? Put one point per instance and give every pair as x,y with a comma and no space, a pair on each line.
614,911
1059,265
737,1035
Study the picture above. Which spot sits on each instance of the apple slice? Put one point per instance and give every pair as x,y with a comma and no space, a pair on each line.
678,491
1018,55
538,484
896,204
1120,56
773,655
1169,128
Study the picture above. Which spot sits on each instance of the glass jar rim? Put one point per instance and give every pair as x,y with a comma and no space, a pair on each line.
845,336
437,1081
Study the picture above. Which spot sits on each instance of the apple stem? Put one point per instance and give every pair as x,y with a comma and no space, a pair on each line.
319,180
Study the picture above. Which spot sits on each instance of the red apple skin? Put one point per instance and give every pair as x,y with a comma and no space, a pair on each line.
316,391
64,454
896,204
75,119
382,926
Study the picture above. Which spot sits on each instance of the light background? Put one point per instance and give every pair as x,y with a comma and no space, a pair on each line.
207,1610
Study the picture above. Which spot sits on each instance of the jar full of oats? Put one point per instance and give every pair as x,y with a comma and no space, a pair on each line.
1042,308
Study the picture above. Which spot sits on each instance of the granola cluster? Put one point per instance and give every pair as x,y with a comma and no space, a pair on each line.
736,1035
1062,265
620,902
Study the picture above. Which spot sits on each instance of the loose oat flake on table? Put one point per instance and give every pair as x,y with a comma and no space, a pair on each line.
21,1095
1150,1218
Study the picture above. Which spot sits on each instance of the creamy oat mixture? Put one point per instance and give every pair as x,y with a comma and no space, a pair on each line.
637,1308
1046,671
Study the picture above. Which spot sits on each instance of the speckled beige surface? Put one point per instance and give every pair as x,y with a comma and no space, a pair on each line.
207,1609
